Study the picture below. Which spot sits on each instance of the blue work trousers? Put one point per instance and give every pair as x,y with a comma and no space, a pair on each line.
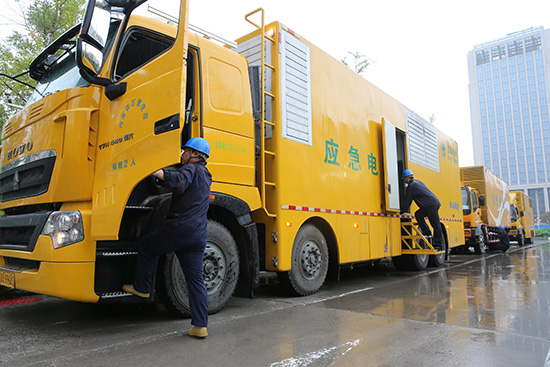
432,212
190,253
498,246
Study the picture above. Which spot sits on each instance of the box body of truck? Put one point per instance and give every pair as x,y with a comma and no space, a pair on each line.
496,211
307,181
329,165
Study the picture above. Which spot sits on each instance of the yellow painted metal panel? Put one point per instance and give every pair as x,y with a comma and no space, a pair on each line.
231,157
74,281
497,201
129,149
524,204
342,169
226,91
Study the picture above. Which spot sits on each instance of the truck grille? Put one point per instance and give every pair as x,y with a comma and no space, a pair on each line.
20,232
27,177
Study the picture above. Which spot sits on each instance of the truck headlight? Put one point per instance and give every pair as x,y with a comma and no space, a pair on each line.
64,228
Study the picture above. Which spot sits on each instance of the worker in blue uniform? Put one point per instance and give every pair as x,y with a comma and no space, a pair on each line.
428,205
503,243
183,232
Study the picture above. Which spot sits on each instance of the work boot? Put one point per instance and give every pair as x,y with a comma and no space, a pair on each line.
198,332
129,288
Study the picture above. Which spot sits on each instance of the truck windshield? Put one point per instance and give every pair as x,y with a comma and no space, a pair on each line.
55,68
513,213
466,202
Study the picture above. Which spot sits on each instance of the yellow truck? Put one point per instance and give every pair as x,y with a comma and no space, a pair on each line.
485,206
522,227
306,157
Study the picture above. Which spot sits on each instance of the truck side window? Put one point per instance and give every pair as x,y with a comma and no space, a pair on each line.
138,48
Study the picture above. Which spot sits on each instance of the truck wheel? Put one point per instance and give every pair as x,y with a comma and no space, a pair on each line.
401,263
418,262
411,262
221,272
479,245
438,260
309,262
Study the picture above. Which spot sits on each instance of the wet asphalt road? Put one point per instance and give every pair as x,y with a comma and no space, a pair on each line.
477,310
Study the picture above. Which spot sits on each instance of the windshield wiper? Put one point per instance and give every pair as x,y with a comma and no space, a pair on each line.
16,79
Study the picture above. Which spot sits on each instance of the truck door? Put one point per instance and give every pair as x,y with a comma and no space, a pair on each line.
140,126
391,175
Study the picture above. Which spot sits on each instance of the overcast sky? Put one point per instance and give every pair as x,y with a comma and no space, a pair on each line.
418,48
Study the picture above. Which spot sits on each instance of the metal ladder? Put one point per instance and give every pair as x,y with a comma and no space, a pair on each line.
414,242
264,153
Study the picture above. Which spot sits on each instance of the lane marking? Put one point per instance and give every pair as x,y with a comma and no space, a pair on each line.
309,358
341,295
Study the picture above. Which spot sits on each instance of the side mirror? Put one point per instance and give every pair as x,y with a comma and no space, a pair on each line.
522,213
92,41
482,201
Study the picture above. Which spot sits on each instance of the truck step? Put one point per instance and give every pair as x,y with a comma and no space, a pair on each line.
138,208
115,295
115,253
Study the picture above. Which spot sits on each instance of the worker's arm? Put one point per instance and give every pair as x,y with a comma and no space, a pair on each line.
159,174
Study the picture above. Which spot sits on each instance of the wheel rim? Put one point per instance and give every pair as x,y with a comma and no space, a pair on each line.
311,260
422,258
214,267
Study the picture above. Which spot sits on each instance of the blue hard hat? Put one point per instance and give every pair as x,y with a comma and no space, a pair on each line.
500,227
407,173
199,144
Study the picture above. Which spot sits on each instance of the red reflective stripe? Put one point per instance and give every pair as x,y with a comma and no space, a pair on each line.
352,212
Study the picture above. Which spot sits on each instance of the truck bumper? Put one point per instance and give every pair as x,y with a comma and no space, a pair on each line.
74,281
29,262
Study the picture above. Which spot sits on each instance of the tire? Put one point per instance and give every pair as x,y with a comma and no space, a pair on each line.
438,260
309,262
401,263
418,262
411,262
479,245
529,240
221,273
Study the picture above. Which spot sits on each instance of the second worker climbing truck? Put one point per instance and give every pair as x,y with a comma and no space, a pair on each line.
306,160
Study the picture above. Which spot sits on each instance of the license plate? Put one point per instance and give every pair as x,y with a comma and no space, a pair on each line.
7,279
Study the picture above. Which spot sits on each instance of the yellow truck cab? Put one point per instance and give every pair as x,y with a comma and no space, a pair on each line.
306,158
475,231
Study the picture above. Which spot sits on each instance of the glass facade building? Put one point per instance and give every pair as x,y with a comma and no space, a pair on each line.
509,86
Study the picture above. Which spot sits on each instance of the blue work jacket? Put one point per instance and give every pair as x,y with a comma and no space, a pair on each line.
190,186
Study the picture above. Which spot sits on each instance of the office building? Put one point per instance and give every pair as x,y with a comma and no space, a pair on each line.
509,85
